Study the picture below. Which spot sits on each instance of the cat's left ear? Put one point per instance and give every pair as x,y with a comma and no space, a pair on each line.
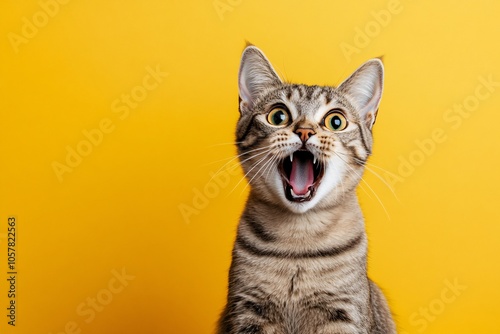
364,87
255,76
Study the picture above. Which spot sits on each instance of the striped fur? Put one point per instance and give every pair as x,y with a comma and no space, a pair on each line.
299,266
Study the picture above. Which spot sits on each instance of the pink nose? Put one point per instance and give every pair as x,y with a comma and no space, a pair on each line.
305,133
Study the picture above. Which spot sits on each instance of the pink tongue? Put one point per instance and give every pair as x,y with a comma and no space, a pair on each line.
302,175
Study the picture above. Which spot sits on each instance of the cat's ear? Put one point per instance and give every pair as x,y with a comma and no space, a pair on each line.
364,87
255,75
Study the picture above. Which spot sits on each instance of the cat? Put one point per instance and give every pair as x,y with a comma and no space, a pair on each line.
299,259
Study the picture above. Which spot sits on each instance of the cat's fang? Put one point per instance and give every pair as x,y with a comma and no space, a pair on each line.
291,157
314,160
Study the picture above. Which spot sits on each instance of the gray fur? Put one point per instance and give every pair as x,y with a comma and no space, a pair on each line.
300,267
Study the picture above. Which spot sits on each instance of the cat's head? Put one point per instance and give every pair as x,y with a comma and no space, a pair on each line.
304,146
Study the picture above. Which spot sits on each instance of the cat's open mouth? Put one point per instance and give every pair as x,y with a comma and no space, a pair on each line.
301,174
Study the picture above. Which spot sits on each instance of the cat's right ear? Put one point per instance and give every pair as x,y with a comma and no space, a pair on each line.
255,75
365,87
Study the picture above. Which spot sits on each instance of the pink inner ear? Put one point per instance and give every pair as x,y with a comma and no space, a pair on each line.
365,87
243,90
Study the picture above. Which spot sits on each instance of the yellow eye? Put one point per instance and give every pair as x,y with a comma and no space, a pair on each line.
335,121
278,117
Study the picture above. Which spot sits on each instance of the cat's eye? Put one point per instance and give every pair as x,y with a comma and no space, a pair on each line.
335,121
278,117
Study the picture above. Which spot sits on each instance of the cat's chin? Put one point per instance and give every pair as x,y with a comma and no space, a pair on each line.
301,174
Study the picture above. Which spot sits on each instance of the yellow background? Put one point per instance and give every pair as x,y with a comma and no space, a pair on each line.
120,207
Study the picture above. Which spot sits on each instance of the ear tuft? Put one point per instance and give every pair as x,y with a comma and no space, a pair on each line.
364,89
255,75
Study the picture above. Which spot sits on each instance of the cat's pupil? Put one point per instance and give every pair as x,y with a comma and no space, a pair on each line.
336,122
279,117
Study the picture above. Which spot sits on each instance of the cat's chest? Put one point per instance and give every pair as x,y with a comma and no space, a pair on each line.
295,280
306,302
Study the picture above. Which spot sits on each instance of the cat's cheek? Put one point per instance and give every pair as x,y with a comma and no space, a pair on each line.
332,180
278,188
250,141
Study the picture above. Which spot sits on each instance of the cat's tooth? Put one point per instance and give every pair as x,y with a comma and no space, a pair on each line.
314,160
291,157
307,194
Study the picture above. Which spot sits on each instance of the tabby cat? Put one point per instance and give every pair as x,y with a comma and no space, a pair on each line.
299,259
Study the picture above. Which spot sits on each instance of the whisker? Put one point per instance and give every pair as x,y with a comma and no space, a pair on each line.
216,161
342,184
237,156
255,155
263,167
241,155
270,166
246,174
222,144
383,169
367,164
374,193
384,181
360,184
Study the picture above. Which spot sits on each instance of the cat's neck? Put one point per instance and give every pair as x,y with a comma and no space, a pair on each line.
330,223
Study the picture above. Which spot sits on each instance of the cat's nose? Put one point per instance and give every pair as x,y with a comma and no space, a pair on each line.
304,133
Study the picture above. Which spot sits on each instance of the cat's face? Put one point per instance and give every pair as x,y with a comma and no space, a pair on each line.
304,146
